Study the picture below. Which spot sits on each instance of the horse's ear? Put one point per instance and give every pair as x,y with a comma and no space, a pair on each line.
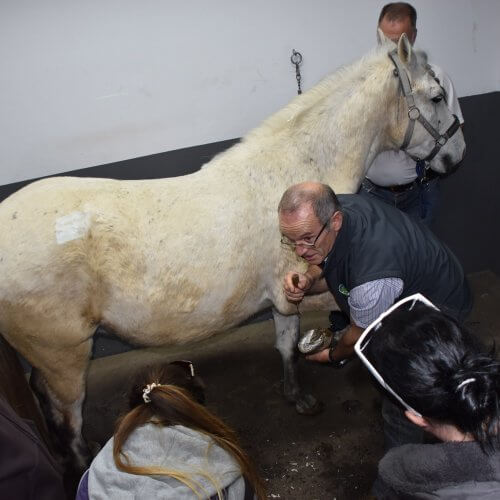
404,49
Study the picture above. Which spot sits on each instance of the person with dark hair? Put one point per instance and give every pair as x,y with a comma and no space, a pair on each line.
367,254
394,177
449,385
170,446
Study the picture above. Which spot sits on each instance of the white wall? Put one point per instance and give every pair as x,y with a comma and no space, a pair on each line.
89,82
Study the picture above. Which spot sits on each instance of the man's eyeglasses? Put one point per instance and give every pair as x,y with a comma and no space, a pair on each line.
371,330
294,244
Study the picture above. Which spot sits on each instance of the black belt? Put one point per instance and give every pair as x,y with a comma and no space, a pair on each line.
398,188
401,188
429,175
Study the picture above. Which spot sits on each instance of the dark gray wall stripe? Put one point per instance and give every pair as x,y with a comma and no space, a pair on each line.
169,164
468,217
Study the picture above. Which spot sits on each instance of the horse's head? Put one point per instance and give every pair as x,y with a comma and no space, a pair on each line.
425,128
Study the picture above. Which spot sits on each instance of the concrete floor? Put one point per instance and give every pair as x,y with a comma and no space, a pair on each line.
329,456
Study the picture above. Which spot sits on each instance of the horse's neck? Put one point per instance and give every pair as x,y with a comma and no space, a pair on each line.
330,134
347,137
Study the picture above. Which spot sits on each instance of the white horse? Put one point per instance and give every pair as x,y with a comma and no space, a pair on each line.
173,260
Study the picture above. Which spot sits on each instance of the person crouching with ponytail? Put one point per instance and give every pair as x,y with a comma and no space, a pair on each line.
449,385
170,446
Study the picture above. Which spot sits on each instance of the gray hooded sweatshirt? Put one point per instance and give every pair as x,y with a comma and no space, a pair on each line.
178,448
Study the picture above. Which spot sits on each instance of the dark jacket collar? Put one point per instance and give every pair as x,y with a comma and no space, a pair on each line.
341,245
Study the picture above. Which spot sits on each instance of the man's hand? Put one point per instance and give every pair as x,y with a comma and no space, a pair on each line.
321,356
296,285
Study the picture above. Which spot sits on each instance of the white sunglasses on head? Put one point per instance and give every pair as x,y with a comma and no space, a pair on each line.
370,330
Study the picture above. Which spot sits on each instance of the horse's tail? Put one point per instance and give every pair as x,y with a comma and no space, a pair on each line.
14,388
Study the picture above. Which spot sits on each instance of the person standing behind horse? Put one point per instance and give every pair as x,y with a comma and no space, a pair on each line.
394,177
367,254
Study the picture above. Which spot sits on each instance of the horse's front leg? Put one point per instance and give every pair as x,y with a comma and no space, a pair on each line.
287,336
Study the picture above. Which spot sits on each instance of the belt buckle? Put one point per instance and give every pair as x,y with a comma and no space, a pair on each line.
400,188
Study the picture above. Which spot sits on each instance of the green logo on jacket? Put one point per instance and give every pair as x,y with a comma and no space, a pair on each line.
343,290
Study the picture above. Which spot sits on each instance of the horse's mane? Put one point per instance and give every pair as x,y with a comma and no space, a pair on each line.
343,78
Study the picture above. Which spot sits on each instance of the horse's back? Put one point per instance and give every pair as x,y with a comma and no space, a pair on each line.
136,255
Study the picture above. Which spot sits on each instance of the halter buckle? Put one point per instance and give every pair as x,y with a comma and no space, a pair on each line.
413,113
442,140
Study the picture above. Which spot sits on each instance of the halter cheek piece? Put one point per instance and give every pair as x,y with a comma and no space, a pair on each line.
415,115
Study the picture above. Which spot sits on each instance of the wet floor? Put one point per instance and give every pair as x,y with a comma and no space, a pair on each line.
330,455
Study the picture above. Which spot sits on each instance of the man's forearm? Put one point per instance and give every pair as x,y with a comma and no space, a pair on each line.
345,347
319,283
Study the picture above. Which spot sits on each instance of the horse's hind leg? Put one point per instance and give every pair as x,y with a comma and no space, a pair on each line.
287,336
59,382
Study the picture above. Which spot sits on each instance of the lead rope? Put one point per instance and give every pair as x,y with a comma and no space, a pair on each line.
295,281
296,59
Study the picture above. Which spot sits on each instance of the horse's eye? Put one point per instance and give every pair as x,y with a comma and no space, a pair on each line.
438,98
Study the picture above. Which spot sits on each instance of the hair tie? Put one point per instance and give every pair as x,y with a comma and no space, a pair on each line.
465,382
147,390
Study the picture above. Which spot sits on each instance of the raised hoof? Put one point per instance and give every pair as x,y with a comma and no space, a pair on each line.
308,405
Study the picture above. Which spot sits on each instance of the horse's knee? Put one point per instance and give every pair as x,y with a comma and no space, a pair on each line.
287,333
287,336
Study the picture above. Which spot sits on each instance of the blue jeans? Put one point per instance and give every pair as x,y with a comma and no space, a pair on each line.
430,194
419,200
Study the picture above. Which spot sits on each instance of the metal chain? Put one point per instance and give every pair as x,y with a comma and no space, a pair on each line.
296,60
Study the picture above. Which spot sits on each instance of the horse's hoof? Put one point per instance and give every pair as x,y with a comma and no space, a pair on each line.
308,405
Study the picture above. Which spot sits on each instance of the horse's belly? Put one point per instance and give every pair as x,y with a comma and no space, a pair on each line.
182,312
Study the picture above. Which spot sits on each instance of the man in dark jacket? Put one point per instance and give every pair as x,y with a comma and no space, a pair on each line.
368,255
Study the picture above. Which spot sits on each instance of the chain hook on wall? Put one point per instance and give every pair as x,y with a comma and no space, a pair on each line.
296,59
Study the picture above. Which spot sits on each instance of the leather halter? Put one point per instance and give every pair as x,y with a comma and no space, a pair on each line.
414,114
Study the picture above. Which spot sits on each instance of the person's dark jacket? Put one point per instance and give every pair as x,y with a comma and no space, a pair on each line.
27,469
378,241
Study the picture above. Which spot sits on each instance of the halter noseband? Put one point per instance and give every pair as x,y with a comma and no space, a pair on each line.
414,113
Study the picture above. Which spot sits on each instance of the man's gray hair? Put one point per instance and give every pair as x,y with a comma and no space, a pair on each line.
321,197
